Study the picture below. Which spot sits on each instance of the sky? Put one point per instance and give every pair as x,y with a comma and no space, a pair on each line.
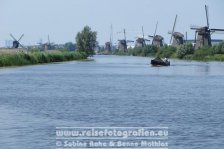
62,19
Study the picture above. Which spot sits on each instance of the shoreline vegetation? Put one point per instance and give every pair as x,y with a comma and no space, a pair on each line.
184,52
86,42
18,58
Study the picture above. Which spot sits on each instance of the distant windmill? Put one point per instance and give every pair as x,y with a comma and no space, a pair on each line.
157,40
109,45
122,46
141,41
177,38
203,34
16,43
48,45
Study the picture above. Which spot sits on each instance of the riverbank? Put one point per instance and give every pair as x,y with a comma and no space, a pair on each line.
38,57
185,52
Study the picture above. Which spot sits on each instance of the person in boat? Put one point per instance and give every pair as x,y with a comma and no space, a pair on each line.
165,60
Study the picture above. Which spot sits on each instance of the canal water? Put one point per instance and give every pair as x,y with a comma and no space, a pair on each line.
118,91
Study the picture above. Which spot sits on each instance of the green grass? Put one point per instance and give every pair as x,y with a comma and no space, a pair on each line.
38,57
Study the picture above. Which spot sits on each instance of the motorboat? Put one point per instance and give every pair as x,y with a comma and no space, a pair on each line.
160,62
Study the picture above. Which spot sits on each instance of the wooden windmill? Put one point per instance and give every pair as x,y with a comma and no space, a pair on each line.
122,45
109,44
203,34
16,43
141,41
49,45
177,38
157,40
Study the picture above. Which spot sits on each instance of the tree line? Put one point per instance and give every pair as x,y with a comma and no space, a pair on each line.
185,51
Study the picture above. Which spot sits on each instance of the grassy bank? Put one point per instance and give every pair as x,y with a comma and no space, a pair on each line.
186,52
38,57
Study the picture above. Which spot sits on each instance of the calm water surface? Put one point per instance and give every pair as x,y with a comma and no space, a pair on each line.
187,97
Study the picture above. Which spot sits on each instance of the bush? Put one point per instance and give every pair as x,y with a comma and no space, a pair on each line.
218,57
136,51
185,49
201,53
219,49
148,50
167,51
120,52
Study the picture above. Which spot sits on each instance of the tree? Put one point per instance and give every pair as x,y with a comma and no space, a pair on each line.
86,40
185,49
70,46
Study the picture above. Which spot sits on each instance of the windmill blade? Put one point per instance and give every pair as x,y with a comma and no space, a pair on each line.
217,31
147,40
22,46
48,39
13,37
155,29
155,32
173,29
214,29
195,37
21,37
150,36
206,11
143,35
111,34
124,32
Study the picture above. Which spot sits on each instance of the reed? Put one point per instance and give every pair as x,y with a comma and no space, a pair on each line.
38,57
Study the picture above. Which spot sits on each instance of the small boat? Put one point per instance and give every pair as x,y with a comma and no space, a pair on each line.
159,62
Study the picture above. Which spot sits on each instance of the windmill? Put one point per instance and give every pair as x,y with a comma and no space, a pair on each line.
109,45
141,41
177,38
16,43
157,40
48,45
122,46
203,34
